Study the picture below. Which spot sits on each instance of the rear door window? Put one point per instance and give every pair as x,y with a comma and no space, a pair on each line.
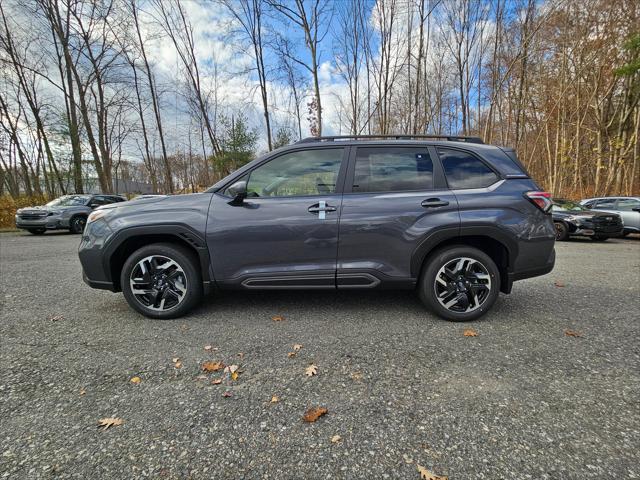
628,204
392,169
464,170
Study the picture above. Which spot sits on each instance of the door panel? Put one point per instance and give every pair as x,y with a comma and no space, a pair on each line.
285,234
380,230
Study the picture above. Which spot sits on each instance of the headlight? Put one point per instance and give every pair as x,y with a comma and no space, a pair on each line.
97,214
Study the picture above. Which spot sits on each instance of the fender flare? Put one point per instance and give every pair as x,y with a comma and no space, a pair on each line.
431,241
179,231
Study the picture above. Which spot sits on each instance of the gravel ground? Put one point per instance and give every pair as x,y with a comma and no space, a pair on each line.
402,388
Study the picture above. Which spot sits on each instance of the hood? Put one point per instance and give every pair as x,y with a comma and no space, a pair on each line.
136,203
38,209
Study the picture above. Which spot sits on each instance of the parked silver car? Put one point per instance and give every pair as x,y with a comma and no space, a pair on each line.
627,207
68,212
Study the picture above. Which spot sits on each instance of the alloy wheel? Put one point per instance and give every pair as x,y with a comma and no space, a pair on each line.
462,285
158,283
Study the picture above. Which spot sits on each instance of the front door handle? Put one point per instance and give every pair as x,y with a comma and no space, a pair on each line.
434,202
321,208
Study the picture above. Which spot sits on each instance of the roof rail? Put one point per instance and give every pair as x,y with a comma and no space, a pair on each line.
450,138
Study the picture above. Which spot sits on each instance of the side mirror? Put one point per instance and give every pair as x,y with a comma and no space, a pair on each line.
239,192
94,205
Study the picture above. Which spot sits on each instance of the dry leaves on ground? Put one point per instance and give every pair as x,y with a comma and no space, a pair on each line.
470,332
277,318
109,422
336,439
357,376
291,354
297,347
135,380
212,366
314,414
233,371
226,394
83,391
559,284
176,362
55,318
311,370
572,333
208,347
217,381
427,475
275,399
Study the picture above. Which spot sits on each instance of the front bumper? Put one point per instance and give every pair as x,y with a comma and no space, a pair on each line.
52,222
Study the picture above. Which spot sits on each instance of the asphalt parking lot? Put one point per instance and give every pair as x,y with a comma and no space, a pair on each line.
402,388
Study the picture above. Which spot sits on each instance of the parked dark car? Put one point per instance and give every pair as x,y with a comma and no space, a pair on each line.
68,212
627,207
574,220
450,217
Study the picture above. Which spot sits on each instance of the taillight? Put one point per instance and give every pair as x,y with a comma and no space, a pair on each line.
542,200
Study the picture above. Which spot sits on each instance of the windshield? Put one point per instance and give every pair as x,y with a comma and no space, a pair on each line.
564,205
69,201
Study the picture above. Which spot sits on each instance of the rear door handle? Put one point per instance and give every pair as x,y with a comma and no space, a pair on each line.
434,202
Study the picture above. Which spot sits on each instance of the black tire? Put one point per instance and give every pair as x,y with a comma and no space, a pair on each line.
439,259
77,224
562,232
37,231
597,238
190,274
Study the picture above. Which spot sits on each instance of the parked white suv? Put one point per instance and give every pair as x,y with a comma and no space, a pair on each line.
627,207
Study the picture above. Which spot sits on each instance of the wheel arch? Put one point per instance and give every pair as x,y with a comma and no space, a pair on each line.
129,240
491,241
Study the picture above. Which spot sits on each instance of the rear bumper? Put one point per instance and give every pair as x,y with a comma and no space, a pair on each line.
536,271
99,284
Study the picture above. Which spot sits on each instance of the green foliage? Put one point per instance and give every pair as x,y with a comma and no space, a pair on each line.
282,137
632,46
237,144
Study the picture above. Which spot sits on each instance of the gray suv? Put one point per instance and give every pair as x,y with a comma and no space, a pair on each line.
68,212
450,217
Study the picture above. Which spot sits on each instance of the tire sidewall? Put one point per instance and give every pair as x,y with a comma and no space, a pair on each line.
433,265
188,264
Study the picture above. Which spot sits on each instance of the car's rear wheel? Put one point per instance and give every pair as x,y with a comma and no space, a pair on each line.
77,224
599,238
561,231
161,281
37,231
459,283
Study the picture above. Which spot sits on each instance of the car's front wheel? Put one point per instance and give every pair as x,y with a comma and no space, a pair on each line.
561,231
459,283
161,281
77,224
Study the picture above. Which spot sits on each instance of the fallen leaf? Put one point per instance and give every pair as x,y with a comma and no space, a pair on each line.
212,366
336,439
277,318
217,381
356,376
82,391
470,332
559,284
234,376
178,364
208,347
231,369
55,318
572,333
135,380
427,475
297,347
226,394
275,399
291,354
109,422
201,377
314,414
311,370
240,355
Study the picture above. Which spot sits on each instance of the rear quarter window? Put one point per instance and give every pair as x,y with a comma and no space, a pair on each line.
464,170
